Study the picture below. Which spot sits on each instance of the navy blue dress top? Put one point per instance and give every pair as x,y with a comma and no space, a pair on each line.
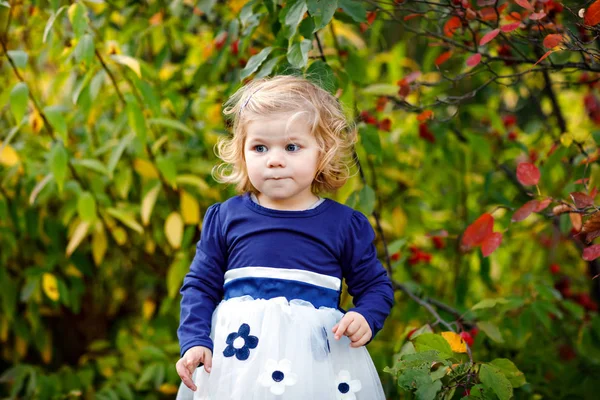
247,249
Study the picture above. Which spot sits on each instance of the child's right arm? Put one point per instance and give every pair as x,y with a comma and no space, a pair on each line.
202,287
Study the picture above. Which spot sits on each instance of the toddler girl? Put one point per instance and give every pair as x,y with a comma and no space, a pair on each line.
260,305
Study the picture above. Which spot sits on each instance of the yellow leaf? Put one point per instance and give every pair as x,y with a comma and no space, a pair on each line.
189,208
20,346
120,235
150,246
174,229
148,204
148,309
99,244
50,286
168,388
8,155
36,121
128,61
46,352
78,236
566,139
145,168
457,344
73,271
580,135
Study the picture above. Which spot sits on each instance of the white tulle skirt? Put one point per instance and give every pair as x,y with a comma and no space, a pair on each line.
280,349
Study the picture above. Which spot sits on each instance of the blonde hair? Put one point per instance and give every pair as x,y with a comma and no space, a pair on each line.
288,94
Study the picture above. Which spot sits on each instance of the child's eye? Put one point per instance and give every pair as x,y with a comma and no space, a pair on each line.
292,147
260,148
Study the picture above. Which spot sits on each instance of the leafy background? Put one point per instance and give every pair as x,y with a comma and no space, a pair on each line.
109,114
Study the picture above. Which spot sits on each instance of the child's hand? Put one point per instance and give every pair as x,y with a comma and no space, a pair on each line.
190,361
354,326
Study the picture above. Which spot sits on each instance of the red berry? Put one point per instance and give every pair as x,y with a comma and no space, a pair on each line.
512,135
509,120
385,125
466,336
554,269
438,242
395,256
474,332
235,47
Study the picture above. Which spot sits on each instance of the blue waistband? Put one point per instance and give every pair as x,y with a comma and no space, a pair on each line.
268,288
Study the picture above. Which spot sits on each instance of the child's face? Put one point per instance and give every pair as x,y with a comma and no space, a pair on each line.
281,165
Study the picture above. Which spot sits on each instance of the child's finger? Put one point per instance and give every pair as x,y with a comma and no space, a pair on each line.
353,328
362,341
207,361
358,334
185,374
343,325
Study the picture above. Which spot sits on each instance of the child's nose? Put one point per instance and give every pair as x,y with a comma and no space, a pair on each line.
276,159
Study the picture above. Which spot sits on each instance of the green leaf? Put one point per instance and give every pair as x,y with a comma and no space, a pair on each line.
126,218
171,123
413,378
86,206
267,67
18,100
321,74
491,330
92,164
176,273
431,341
5,4
298,53
354,9
322,11
58,122
369,138
307,27
492,378
489,303
51,21
254,62
77,17
429,390
168,168
510,370
128,61
136,117
59,159
19,57
366,200
294,11
84,52
115,156
356,67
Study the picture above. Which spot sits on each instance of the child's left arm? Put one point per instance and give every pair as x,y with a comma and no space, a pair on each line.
368,284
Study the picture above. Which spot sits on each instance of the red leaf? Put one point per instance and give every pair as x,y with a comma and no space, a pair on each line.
537,16
411,16
478,230
542,205
592,14
525,210
510,27
543,57
451,25
474,60
491,243
581,200
528,174
552,40
442,58
425,115
489,36
582,181
591,253
525,4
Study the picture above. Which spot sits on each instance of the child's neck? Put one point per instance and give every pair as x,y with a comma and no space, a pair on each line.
289,204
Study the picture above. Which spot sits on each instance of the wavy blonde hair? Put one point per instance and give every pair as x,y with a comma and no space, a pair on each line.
295,95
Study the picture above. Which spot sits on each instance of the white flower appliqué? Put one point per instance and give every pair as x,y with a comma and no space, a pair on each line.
345,387
278,375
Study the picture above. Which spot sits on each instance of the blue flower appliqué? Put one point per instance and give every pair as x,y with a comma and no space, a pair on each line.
239,343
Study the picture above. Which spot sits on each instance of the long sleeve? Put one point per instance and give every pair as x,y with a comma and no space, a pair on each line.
202,287
368,282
